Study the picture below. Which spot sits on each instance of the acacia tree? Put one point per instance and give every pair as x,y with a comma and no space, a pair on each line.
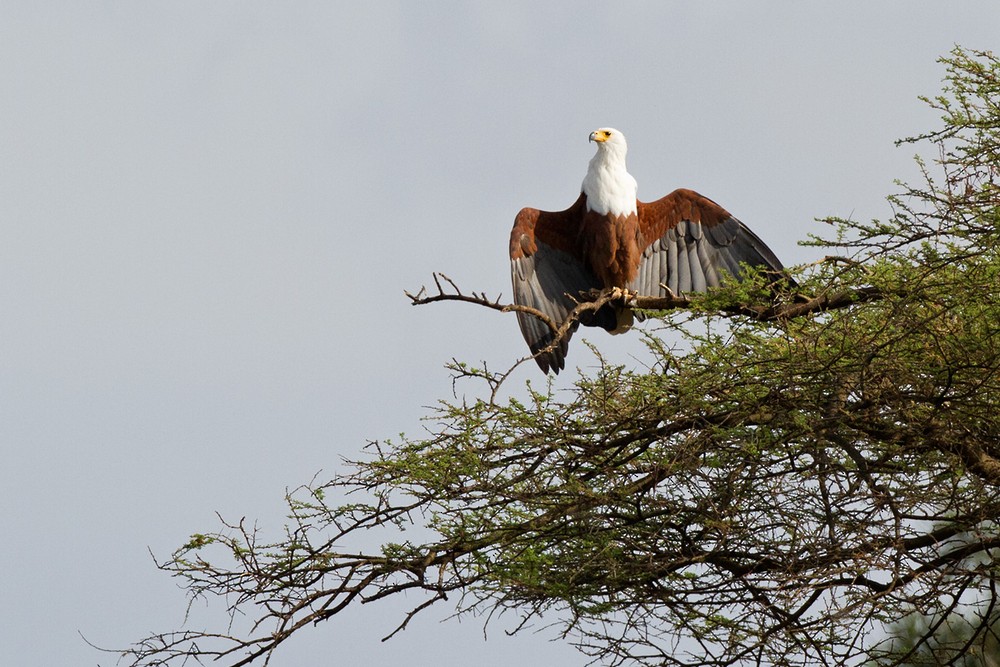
798,472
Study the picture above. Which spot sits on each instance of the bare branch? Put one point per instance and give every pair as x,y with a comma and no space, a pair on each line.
593,300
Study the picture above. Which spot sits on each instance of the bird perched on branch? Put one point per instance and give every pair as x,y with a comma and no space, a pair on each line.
683,242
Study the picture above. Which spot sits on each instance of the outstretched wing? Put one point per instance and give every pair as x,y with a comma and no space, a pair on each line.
691,242
545,269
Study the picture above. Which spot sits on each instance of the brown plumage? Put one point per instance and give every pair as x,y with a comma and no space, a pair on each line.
607,238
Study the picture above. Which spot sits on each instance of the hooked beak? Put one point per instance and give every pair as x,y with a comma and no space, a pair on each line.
600,135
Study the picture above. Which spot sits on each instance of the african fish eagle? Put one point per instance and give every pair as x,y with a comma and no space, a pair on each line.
609,239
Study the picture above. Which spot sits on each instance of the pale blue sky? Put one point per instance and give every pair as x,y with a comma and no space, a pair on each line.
210,211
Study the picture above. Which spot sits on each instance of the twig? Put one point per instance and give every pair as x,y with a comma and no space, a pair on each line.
593,300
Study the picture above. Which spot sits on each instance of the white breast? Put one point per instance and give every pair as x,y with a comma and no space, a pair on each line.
610,189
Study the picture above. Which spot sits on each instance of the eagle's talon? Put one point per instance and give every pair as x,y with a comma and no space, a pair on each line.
622,293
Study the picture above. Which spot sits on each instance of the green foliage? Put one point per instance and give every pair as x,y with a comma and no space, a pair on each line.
769,490
969,639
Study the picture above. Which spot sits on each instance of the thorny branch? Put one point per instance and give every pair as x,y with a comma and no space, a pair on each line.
593,300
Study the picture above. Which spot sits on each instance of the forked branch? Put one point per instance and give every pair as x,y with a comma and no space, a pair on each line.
795,305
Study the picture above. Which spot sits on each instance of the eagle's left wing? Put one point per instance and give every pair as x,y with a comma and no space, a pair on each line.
691,242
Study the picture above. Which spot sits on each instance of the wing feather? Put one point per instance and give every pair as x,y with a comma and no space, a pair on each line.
545,270
692,243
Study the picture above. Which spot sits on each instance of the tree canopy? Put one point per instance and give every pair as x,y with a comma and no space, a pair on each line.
787,476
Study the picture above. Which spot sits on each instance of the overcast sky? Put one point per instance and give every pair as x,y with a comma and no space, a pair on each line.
210,211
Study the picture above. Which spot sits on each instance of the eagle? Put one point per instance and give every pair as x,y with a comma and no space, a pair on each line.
608,239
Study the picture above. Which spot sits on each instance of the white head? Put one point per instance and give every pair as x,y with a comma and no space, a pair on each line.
609,139
608,185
